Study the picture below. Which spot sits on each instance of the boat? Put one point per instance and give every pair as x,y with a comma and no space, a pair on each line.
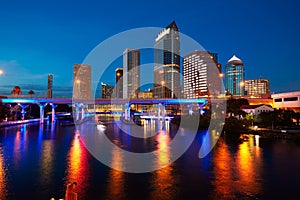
101,126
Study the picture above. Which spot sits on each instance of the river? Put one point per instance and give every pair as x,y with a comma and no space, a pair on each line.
37,161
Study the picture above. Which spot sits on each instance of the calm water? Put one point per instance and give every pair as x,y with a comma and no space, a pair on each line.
37,161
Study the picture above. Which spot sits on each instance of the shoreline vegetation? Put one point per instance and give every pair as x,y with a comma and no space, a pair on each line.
236,130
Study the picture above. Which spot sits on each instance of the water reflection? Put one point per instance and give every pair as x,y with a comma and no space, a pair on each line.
46,162
115,187
3,181
237,173
77,165
248,163
163,181
20,144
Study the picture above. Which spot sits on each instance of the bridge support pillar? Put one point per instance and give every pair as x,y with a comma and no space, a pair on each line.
127,112
53,112
23,112
82,106
201,108
161,111
42,106
190,106
77,111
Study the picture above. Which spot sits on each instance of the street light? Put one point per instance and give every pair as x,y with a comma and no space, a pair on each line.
1,72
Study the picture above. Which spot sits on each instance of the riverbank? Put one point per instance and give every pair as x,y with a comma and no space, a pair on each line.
293,134
14,123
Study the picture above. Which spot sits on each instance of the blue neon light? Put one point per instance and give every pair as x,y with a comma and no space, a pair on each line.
17,100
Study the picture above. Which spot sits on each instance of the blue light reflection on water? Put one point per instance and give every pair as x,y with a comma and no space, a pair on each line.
39,160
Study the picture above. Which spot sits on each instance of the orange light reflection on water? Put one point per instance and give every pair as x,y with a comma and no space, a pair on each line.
222,171
3,181
238,173
163,181
248,162
77,165
115,187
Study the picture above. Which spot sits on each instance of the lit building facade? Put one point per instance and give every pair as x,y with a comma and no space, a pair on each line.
257,87
287,101
131,75
167,63
50,86
235,77
119,83
107,91
82,81
201,75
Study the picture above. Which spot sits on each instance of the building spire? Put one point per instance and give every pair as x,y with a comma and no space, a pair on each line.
234,58
173,26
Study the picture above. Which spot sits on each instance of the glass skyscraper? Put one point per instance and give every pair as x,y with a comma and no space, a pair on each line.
167,63
235,77
131,75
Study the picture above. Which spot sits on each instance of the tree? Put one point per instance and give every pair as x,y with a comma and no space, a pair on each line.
31,92
16,91
234,105
4,111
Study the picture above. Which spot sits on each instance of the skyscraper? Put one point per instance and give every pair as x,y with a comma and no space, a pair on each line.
167,63
82,81
50,85
257,86
131,76
235,76
107,91
119,83
201,74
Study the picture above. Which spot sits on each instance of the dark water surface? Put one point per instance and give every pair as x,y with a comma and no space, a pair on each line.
37,161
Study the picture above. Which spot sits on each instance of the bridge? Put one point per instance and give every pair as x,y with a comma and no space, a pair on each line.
79,104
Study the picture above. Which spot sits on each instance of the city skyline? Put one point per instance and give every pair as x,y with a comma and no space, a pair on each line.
36,42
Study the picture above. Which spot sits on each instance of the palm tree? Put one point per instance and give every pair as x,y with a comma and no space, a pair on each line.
31,92
16,91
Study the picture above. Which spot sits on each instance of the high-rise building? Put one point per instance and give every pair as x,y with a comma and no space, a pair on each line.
82,81
131,75
257,87
50,86
107,91
201,74
235,77
167,63
119,83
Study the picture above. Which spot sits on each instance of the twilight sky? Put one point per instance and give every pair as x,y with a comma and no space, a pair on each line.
42,37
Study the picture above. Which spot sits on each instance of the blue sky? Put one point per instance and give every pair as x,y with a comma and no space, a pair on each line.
38,38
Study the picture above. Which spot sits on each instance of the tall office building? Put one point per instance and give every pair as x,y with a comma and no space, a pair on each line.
131,76
82,81
201,75
257,87
235,77
167,63
50,85
107,91
119,83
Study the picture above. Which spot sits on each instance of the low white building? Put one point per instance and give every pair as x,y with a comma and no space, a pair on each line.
287,101
256,109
